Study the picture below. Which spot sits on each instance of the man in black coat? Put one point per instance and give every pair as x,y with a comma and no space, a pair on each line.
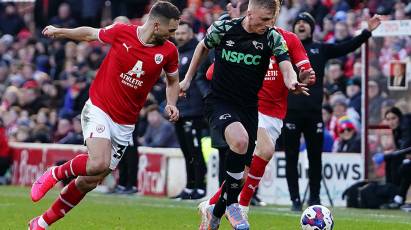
189,126
304,112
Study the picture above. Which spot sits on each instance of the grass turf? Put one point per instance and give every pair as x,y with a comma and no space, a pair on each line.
100,211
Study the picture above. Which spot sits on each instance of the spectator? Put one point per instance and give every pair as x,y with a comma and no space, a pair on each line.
11,22
63,131
397,168
400,125
317,9
375,101
64,18
349,140
354,94
340,6
336,81
5,160
160,132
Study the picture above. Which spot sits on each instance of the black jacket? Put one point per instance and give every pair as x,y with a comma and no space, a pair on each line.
402,134
319,54
352,145
192,104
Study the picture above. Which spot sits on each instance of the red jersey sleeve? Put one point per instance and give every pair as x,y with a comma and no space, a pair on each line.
298,54
171,66
108,33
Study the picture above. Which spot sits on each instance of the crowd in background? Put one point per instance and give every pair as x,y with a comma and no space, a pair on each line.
44,83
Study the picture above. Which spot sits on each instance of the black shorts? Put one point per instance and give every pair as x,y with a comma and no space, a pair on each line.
220,114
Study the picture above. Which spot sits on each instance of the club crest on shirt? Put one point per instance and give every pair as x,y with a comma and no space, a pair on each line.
100,128
258,45
158,58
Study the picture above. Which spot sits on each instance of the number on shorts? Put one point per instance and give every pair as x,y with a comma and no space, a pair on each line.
120,151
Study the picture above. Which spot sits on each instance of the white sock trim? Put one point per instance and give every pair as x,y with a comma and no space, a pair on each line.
66,202
237,176
42,223
254,177
71,168
53,173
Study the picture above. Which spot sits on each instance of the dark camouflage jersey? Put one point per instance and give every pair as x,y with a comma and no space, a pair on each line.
241,60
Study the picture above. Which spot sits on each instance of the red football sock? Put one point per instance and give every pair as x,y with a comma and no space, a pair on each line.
73,168
216,196
69,197
254,176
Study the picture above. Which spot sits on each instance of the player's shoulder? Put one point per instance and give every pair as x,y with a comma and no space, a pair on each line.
287,35
226,24
168,45
121,26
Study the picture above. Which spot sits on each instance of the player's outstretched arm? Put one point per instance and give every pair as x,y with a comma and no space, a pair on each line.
199,56
290,78
83,33
172,91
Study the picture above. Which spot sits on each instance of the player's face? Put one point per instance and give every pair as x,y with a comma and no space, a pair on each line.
183,35
163,29
261,19
302,29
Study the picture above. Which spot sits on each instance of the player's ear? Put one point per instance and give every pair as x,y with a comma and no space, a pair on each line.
156,25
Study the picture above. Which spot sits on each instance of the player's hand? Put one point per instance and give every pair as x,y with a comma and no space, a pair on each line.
307,76
184,85
374,22
172,112
50,31
299,88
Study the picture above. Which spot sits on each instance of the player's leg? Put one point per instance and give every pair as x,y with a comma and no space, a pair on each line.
292,135
96,132
69,197
269,129
314,135
234,212
257,168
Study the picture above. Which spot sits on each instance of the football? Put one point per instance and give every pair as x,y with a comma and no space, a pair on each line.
317,217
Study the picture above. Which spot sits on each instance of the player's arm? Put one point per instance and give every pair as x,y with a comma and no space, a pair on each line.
290,78
83,33
200,53
172,91
299,58
172,87
212,39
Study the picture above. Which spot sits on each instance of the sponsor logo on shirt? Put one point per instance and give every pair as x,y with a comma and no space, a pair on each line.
238,57
129,80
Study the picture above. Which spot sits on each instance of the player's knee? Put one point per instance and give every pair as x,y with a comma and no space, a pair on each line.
240,144
266,152
97,166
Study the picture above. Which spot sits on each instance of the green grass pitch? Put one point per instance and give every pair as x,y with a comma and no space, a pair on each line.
100,211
